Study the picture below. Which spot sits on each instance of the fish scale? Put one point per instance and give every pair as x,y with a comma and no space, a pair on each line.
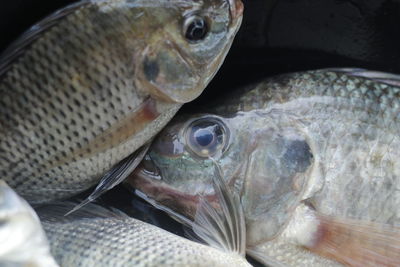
76,97
50,95
317,153
122,241
360,192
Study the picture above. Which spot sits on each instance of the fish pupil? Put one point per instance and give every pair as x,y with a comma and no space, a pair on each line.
204,137
197,29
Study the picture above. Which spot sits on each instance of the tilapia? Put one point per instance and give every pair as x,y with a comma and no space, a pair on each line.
313,156
97,236
90,84
22,239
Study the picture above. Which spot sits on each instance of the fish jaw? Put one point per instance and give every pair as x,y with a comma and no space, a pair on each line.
161,177
96,108
181,202
237,9
177,72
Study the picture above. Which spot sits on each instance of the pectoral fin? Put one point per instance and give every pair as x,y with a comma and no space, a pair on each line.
223,228
356,243
55,212
115,176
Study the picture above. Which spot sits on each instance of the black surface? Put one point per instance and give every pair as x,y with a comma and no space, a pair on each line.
293,35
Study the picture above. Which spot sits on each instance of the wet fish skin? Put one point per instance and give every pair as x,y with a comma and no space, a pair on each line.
22,239
89,85
94,236
298,147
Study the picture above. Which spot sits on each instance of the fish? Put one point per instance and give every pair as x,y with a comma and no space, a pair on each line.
99,236
22,239
313,156
92,83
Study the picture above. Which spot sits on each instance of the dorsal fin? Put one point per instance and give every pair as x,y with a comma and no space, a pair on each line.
114,176
18,47
383,77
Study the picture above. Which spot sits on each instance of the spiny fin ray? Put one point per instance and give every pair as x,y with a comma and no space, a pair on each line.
115,176
55,212
224,228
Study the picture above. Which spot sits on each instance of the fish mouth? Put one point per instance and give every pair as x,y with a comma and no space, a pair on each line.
154,188
237,8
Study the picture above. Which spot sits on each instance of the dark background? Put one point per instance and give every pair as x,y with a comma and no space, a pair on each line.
276,37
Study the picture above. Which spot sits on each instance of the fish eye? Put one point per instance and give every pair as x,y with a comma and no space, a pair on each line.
195,28
205,137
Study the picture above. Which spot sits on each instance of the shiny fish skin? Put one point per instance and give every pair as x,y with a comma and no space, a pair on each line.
22,239
92,83
324,142
117,240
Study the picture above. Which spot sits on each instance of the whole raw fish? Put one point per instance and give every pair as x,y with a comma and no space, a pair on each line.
22,239
314,157
96,236
89,85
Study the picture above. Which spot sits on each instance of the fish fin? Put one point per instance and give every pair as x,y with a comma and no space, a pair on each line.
115,176
18,47
264,259
56,212
356,243
223,228
177,216
383,77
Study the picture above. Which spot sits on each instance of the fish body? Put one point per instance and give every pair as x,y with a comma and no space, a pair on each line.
313,156
22,239
95,236
89,85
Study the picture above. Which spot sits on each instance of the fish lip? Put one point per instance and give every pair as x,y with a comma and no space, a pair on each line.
236,8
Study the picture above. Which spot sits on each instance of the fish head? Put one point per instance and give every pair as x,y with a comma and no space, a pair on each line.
185,46
263,157
179,164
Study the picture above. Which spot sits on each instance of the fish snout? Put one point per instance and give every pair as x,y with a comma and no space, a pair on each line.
237,8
